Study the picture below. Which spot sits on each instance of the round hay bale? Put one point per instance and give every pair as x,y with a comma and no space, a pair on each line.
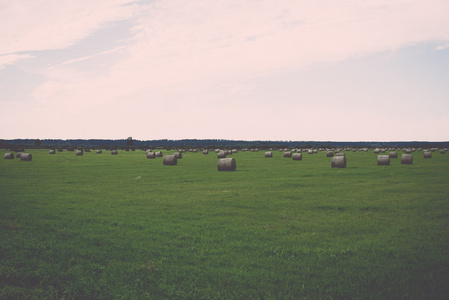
269,154
205,152
408,151
340,154
158,154
310,151
338,162
330,154
178,155
170,160
8,156
79,152
151,155
234,150
99,151
383,160
297,156
287,154
393,154
407,159
18,154
221,154
52,151
26,157
427,154
226,164
114,152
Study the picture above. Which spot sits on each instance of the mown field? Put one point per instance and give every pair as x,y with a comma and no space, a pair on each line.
102,226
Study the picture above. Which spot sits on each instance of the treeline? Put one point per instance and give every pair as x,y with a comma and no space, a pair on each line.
206,143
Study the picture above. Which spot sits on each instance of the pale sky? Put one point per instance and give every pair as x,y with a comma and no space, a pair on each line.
320,70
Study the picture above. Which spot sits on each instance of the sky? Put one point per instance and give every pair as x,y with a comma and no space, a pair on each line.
292,70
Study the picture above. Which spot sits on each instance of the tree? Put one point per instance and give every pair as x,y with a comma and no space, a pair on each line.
37,142
129,141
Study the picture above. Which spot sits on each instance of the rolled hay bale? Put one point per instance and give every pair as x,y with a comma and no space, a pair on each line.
178,155
310,151
338,162
26,157
226,164
170,160
87,150
79,152
151,155
98,151
18,154
376,151
234,150
114,152
52,151
297,156
427,154
330,154
383,160
158,154
221,154
407,159
268,154
287,154
340,154
8,156
408,151
393,154
205,152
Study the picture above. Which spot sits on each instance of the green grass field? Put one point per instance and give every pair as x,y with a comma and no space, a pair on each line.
102,226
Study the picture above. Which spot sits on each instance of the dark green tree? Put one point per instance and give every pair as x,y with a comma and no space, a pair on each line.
37,142
129,141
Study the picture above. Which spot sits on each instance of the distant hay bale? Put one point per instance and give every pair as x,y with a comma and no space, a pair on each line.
79,152
330,154
205,152
234,150
151,154
408,151
221,154
178,155
287,154
114,152
170,160
98,151
427,154
383,160
407,159
87,150
376,151
310,151
8,156
52,151
393,154
338,162
26,157
297,156
269,154
340,154
158,154
226,164
18,154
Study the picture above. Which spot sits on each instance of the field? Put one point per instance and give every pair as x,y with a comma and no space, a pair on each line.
102,226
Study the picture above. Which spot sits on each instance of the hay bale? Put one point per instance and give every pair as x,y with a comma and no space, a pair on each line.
408,151
338,162
8,156
26,157
170,160
427,154
114,152
205,152
52,151
297,156
287,154
330,154
98,151
310,151
221,154
79,152
18,154
226,164
393,154
407,159
151,155
178,155
340,154
268,154
383,160
158,154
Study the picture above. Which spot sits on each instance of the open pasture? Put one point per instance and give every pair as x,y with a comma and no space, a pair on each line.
102,226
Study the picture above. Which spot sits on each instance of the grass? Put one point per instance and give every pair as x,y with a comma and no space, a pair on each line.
101,226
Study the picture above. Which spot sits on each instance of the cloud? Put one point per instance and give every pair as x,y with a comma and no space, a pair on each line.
6,60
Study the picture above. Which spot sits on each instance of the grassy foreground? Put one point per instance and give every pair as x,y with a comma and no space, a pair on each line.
102,226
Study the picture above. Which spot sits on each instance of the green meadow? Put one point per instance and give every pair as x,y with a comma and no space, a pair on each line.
102,226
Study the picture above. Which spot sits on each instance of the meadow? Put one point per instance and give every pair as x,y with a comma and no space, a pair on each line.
102,226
